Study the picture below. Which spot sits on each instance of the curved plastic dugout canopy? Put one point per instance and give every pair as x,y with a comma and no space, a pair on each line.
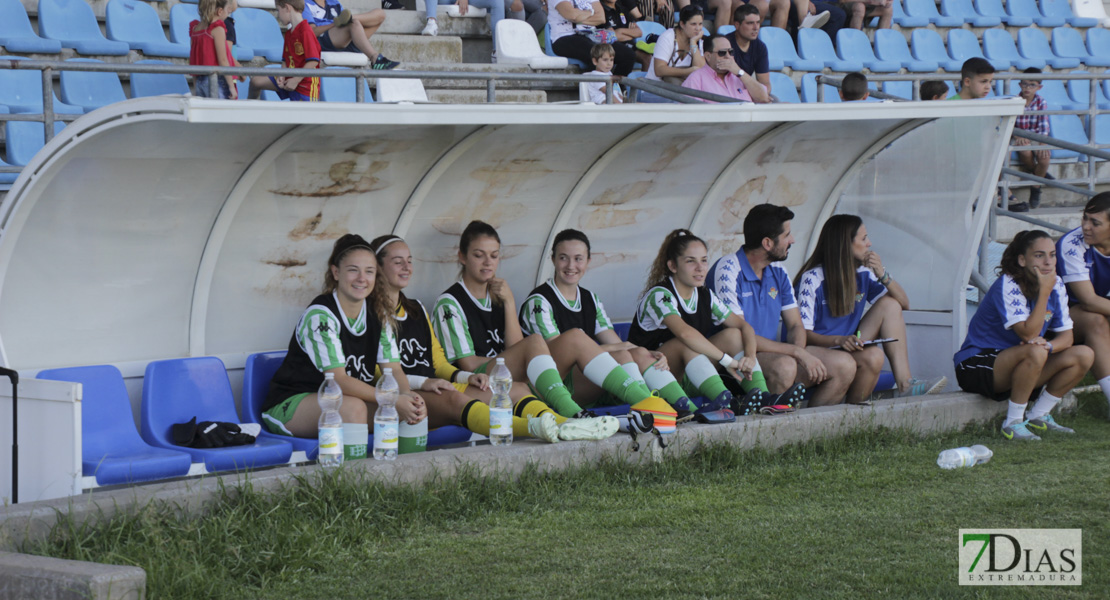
166,227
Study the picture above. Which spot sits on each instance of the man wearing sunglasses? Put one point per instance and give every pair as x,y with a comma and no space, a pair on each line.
721,75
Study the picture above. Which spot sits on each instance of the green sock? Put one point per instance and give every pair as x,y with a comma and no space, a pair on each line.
606,373
757,382
549,385
664,381
704,376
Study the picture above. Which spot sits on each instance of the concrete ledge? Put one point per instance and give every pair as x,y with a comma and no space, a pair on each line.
24,576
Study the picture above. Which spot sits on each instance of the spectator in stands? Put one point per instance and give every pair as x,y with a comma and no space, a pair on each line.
861,11
934,89
721,75
678,51
838,282
209,46
749,52
535,14
853,87
620,18
1084,266
753,282
720,10
301,51
574,29
603,56
804,13
1032,161
1009,352
338,333
976,79
338,30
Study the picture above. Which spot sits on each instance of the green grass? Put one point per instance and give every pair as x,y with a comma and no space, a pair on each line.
854,517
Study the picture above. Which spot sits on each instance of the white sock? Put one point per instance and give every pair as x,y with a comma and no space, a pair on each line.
1015,413
1044,404
1104,383
657,379
699,370
599,368
538,365
757,369
634,372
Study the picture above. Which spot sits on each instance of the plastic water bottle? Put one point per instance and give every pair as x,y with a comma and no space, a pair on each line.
964,457
331,424
385,418
501,406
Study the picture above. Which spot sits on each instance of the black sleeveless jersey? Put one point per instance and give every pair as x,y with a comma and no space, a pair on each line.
585,318
484,326
297,374
701,319
414,342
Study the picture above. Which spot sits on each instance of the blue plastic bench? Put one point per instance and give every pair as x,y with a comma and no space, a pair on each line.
138,25
73,23
16,34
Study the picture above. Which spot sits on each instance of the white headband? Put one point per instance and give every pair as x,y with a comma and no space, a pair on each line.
386,243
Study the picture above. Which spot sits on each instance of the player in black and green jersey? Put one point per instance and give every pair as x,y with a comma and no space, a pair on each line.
475,320
680,317
560,305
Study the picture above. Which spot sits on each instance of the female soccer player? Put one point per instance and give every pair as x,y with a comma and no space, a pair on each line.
1006,352
834,288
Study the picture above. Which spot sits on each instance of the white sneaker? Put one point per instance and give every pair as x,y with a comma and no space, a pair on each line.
431,28
816,20
596,428
544,427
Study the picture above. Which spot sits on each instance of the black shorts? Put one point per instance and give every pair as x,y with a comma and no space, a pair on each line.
327,46
976,375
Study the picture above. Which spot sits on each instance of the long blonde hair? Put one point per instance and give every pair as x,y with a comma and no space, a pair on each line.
208,10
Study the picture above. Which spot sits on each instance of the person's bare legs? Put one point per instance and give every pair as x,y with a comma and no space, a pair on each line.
780,371
723,11
841,369
358,31
306,418
869,362
884,320
1093,330
780,12
1018,369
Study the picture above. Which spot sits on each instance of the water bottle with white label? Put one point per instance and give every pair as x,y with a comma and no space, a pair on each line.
385,418
501,406
331,425
964,457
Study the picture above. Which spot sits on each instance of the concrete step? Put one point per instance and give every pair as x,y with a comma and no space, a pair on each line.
422,49
488,68
479,96
1066,217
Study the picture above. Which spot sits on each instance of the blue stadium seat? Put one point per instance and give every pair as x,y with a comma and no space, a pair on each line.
177,390
999,48
891,45
73,23
853,45
963,45
783,88
621,329
1054,93
157,84
1028,8
905,21
1061,9
1033,44
548,50
111,448
183,14
726,29
967,13
259,30
994,8
90,90
21,92
23,139
814,44
138,24
1068,43
1102,130
16,34
925,44
1068,128
6,179
258,372
342,89
928,9
1098,42
902,89
781,47
809,89
1079,90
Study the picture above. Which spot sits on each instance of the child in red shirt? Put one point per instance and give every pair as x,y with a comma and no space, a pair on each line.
302,51
209,47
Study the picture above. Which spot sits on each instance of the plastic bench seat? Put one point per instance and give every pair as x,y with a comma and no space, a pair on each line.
1102,130
891,46
999,48
965,10
902,89
1079,91
16,34
853,45
158,84
928,9
183,14
23,139
993,8
809,90
342,89
516,43
550,52
21,92
1028,8
177,390
111,449
926,45
90,90
1061,9
1068,43
963,45
783,88
257,373
1033,44
905,21
1068,128
1098,42
259,30
138,24
814,44
780,47
73,23
401,90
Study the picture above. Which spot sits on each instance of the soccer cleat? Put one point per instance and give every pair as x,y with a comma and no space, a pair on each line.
597,428
750,403
685,409
816,20
383,64
544,427
919,387
791,397
1047,423
1017,431
723,400
585,413
431,28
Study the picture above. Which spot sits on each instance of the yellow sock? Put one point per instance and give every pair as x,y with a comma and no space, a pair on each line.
530,406
476,418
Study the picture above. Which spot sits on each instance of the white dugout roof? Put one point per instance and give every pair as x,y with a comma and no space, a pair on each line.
168,227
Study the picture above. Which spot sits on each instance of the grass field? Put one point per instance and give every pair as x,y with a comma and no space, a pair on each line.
855,517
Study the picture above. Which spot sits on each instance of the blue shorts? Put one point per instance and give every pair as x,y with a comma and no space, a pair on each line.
284,94
202,87
327,46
